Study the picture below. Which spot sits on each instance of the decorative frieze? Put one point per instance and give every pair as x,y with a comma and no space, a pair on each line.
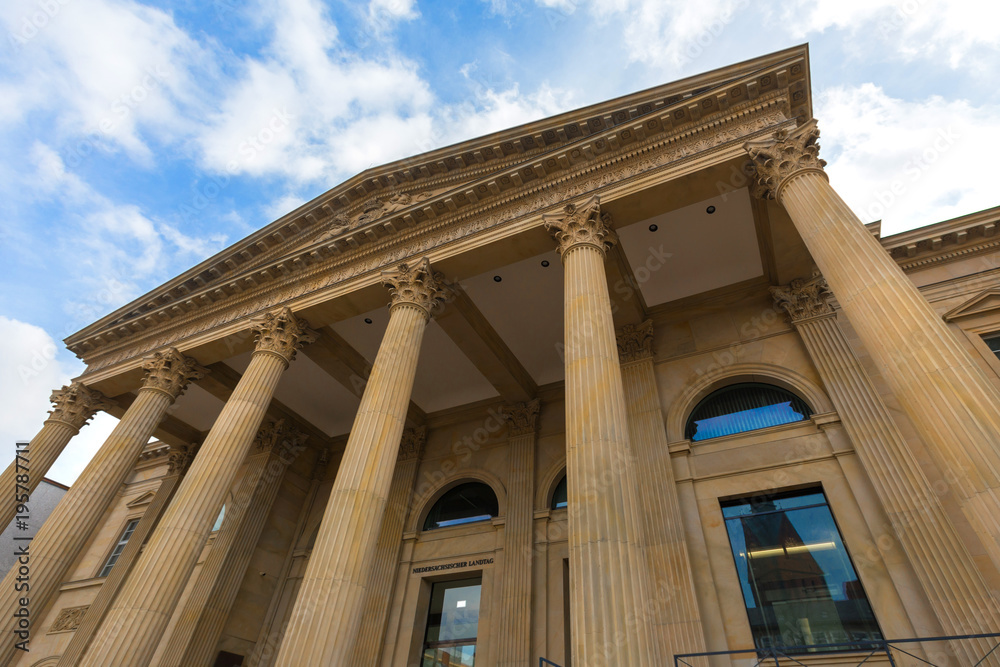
521,417
180,457
412,444
275,434
75,404
68,619
635,341
581,225
282,333
776,160
803,299
170,372
417,285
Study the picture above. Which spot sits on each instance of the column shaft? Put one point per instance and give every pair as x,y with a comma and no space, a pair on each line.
74,406
330,603
607,569
138,618
71,524
371,636
194,638
672,604
945,394
957,592
112,584
514,636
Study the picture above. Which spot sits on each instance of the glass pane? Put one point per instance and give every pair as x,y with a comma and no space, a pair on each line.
452,656
744,407
994,344
772,502
560,495
465,503
454,611
798,583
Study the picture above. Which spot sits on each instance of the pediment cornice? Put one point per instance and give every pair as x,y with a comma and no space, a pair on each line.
387,230
985,302
946,241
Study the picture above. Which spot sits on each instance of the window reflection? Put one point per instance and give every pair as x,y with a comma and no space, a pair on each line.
466,503
798,582
560,497
453,624
747,406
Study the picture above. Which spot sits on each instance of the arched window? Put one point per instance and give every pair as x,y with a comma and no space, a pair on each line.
560,497
466,503
744,407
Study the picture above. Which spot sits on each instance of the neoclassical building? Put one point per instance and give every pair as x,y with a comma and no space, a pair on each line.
622,384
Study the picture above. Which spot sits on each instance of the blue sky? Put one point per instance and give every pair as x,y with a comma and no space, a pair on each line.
138,139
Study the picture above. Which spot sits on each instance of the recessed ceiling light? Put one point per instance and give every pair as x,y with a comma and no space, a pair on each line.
653,228
497,279
368,320
710,210
545,262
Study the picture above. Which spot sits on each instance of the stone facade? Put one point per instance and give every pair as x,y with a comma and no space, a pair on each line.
547,303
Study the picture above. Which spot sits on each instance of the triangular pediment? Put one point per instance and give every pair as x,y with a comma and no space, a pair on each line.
143,499
981,303
462,181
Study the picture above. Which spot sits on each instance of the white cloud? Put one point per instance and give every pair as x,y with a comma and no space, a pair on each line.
948,30
32,369
909,163
384,14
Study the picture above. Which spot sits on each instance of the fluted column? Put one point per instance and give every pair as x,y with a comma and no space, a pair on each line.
178,462
371,636
73,406
133,627
194,638
671,603
608,574
950,401
957,592
59,540
329,607
514,637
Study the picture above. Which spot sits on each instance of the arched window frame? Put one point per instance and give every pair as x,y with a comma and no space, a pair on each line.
442,495
798,405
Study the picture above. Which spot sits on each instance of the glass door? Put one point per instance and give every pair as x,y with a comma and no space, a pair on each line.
452,624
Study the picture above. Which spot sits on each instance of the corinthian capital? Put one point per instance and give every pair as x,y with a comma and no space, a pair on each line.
75,404
170,371
412,444
180,457
275,433
521,417
786,154
581,225
803,299
282,333
635,341
416,285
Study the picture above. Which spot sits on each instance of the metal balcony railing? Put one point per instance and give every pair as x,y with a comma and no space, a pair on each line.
892,649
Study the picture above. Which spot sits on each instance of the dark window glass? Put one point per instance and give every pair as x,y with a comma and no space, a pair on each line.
466,503
452,624
119,547
227,659
744,407
560,497
994,343
799,585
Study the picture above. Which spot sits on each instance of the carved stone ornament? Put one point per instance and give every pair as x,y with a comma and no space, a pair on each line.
635,341
170,371
180,458
778,159
275,434
412,444
322,461
416,284
75,404
69,619
521,417
803,299
280,332
581,225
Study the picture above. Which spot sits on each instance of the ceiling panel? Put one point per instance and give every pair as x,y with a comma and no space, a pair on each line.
693,251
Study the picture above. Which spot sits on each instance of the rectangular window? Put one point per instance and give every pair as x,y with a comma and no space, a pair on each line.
452,624
994,342
119,547
799,585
